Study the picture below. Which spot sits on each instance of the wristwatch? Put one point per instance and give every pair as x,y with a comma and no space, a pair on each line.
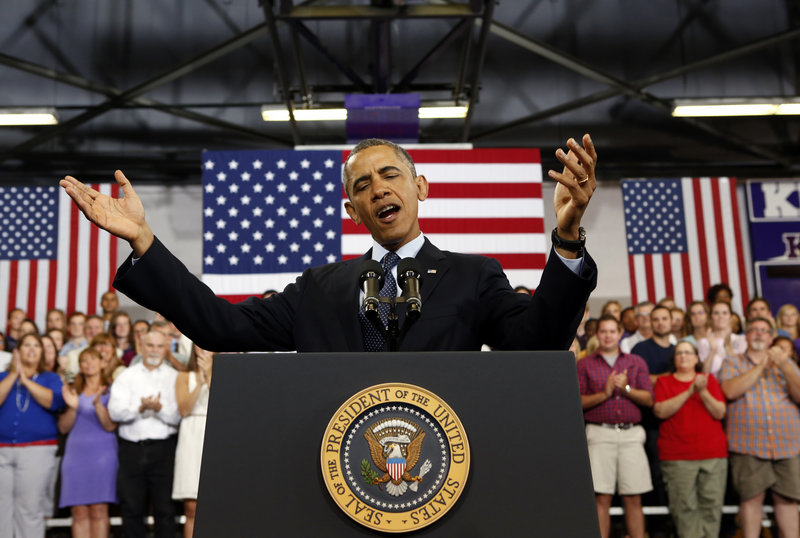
627,389
566,244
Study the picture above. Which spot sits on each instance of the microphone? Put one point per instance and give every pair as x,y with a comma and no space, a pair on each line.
371,282
409,276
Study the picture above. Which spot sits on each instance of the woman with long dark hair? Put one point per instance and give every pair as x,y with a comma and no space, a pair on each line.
30,399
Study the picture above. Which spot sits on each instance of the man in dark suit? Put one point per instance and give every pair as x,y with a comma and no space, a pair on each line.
467,300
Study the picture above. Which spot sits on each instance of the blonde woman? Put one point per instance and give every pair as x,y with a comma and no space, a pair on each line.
191,393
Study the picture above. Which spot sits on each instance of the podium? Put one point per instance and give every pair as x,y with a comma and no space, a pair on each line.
529,466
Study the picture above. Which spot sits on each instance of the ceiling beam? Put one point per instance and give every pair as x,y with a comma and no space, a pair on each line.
144,102
743,50
475,80
426,11
283,75
149,85
578,66
456,32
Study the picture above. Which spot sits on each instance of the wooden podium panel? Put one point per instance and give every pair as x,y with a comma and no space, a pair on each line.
529,472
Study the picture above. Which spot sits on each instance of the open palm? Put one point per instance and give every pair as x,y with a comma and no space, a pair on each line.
123,217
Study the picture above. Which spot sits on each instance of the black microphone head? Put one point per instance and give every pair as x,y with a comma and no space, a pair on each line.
408,265
371,266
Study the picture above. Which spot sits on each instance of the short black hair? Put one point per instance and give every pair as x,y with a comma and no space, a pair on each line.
370,143
711,294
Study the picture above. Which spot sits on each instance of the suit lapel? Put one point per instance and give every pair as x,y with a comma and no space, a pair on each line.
348,294
434,266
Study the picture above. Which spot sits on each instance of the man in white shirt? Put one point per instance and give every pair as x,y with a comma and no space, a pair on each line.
143,403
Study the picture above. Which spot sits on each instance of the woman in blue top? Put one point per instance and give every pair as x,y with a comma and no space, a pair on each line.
30,399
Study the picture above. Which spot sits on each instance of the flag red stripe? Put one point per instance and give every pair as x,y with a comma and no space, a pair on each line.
520,261
687,278
91,299
72,263
480,155
486,190
651,282
12,285
52,280
33,271
670,288
701,233
442,225
737,230
632,271
113,244
236,298
482,190
720,231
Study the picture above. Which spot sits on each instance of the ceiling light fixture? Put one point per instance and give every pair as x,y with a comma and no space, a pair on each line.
272,113
735,107
28,116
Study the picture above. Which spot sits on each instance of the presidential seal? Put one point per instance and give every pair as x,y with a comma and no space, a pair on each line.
395,457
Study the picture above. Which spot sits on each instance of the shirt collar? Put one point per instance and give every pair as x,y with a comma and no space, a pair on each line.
409,250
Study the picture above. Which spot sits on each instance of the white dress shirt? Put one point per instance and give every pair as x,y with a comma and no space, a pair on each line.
127,392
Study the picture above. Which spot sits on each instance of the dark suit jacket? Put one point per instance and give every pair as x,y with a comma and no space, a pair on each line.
467,301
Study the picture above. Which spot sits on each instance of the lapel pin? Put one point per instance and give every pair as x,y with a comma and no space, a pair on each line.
431,271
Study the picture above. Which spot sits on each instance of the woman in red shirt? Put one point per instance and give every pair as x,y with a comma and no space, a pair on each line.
691,444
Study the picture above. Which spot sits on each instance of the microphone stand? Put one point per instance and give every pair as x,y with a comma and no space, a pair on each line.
392,333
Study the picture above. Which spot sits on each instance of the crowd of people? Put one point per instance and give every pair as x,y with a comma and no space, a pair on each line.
99,410
680,407
685,407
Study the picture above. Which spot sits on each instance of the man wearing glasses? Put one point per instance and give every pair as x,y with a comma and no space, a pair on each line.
763,425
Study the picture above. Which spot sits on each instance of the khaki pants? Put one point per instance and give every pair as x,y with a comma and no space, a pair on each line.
696,490
618,460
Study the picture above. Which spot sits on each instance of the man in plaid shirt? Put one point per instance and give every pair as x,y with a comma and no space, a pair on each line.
613,387
763,426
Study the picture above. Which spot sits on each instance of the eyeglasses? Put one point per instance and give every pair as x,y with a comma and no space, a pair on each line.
760,330
687,352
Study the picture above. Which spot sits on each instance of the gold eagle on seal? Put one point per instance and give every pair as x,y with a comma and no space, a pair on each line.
395,447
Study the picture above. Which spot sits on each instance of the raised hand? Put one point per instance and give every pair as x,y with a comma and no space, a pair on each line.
778,355
621,379
16,364
71,397
576,184
204,364
123,217
700,382
610,382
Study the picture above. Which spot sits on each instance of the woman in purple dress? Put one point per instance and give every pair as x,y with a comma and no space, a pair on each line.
89,468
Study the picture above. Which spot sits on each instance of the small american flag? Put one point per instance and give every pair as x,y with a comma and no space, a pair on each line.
684,235
268,215
50,256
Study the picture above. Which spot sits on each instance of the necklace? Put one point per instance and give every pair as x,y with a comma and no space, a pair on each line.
22,407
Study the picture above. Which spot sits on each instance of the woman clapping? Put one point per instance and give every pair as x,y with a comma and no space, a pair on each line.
89,469
30,399
691,444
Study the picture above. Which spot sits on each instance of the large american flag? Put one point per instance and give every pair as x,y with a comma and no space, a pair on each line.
50,255
268,215
683,236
